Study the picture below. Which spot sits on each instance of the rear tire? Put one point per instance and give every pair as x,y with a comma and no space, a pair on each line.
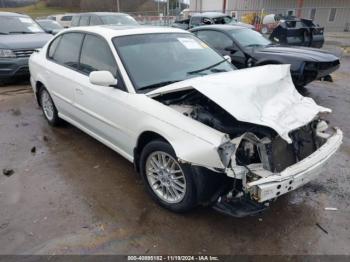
48,107
169,182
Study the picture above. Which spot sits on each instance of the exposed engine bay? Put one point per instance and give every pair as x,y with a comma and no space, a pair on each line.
259,144
255,151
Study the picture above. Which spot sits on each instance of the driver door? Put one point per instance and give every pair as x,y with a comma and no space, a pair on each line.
103,110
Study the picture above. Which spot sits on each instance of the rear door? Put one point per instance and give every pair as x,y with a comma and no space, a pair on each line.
63,62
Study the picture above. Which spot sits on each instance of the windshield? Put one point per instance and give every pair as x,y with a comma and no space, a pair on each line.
155,60
118,20
18,25
50,25
249,38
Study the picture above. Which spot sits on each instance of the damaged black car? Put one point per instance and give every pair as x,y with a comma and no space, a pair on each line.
248,48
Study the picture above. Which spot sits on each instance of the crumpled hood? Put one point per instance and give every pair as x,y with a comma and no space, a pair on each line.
262,95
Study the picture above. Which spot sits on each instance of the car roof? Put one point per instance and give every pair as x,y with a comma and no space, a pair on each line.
45,20
100,13
12,14
219,27
109,31
65,14
209,14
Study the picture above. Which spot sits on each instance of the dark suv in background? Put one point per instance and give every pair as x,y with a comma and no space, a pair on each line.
102,18
19,37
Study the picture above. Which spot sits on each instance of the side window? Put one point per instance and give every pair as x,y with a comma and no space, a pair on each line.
96,56
332,14
75,21
53,47
67,51
84,20
215,39
66,18
95,20
195,21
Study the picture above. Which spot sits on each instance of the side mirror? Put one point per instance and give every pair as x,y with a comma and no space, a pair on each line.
231,49
102,78
228,58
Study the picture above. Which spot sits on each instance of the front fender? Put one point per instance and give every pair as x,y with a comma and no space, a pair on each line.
188,148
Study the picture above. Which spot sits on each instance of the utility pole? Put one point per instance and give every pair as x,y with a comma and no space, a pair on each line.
168,7
224,6
118,6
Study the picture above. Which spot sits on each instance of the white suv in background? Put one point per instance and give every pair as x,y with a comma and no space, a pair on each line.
64,20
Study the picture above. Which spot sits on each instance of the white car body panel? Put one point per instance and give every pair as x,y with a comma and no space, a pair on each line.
263,95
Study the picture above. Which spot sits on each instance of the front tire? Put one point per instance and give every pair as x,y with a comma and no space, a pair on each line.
169,182
49,109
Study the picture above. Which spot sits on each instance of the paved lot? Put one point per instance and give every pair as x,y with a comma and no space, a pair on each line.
74,195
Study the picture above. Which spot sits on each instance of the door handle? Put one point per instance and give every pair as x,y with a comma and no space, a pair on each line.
79,91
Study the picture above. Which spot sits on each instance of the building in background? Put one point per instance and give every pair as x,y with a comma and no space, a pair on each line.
334,15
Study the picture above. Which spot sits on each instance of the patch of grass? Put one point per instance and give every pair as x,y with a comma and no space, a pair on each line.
39,9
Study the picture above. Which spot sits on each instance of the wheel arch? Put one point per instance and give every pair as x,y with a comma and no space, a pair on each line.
38,87
144,138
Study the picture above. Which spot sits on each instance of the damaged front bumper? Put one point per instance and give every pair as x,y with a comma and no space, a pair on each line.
273,185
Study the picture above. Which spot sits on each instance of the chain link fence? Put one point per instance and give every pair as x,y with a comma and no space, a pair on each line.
153,18
336,19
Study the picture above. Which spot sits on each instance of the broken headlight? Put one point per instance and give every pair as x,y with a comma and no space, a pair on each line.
226,151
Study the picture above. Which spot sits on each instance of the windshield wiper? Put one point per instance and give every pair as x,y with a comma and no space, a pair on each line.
206,68
160,84
21,32
3,33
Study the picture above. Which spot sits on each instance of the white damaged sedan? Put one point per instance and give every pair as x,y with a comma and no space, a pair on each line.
198,131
